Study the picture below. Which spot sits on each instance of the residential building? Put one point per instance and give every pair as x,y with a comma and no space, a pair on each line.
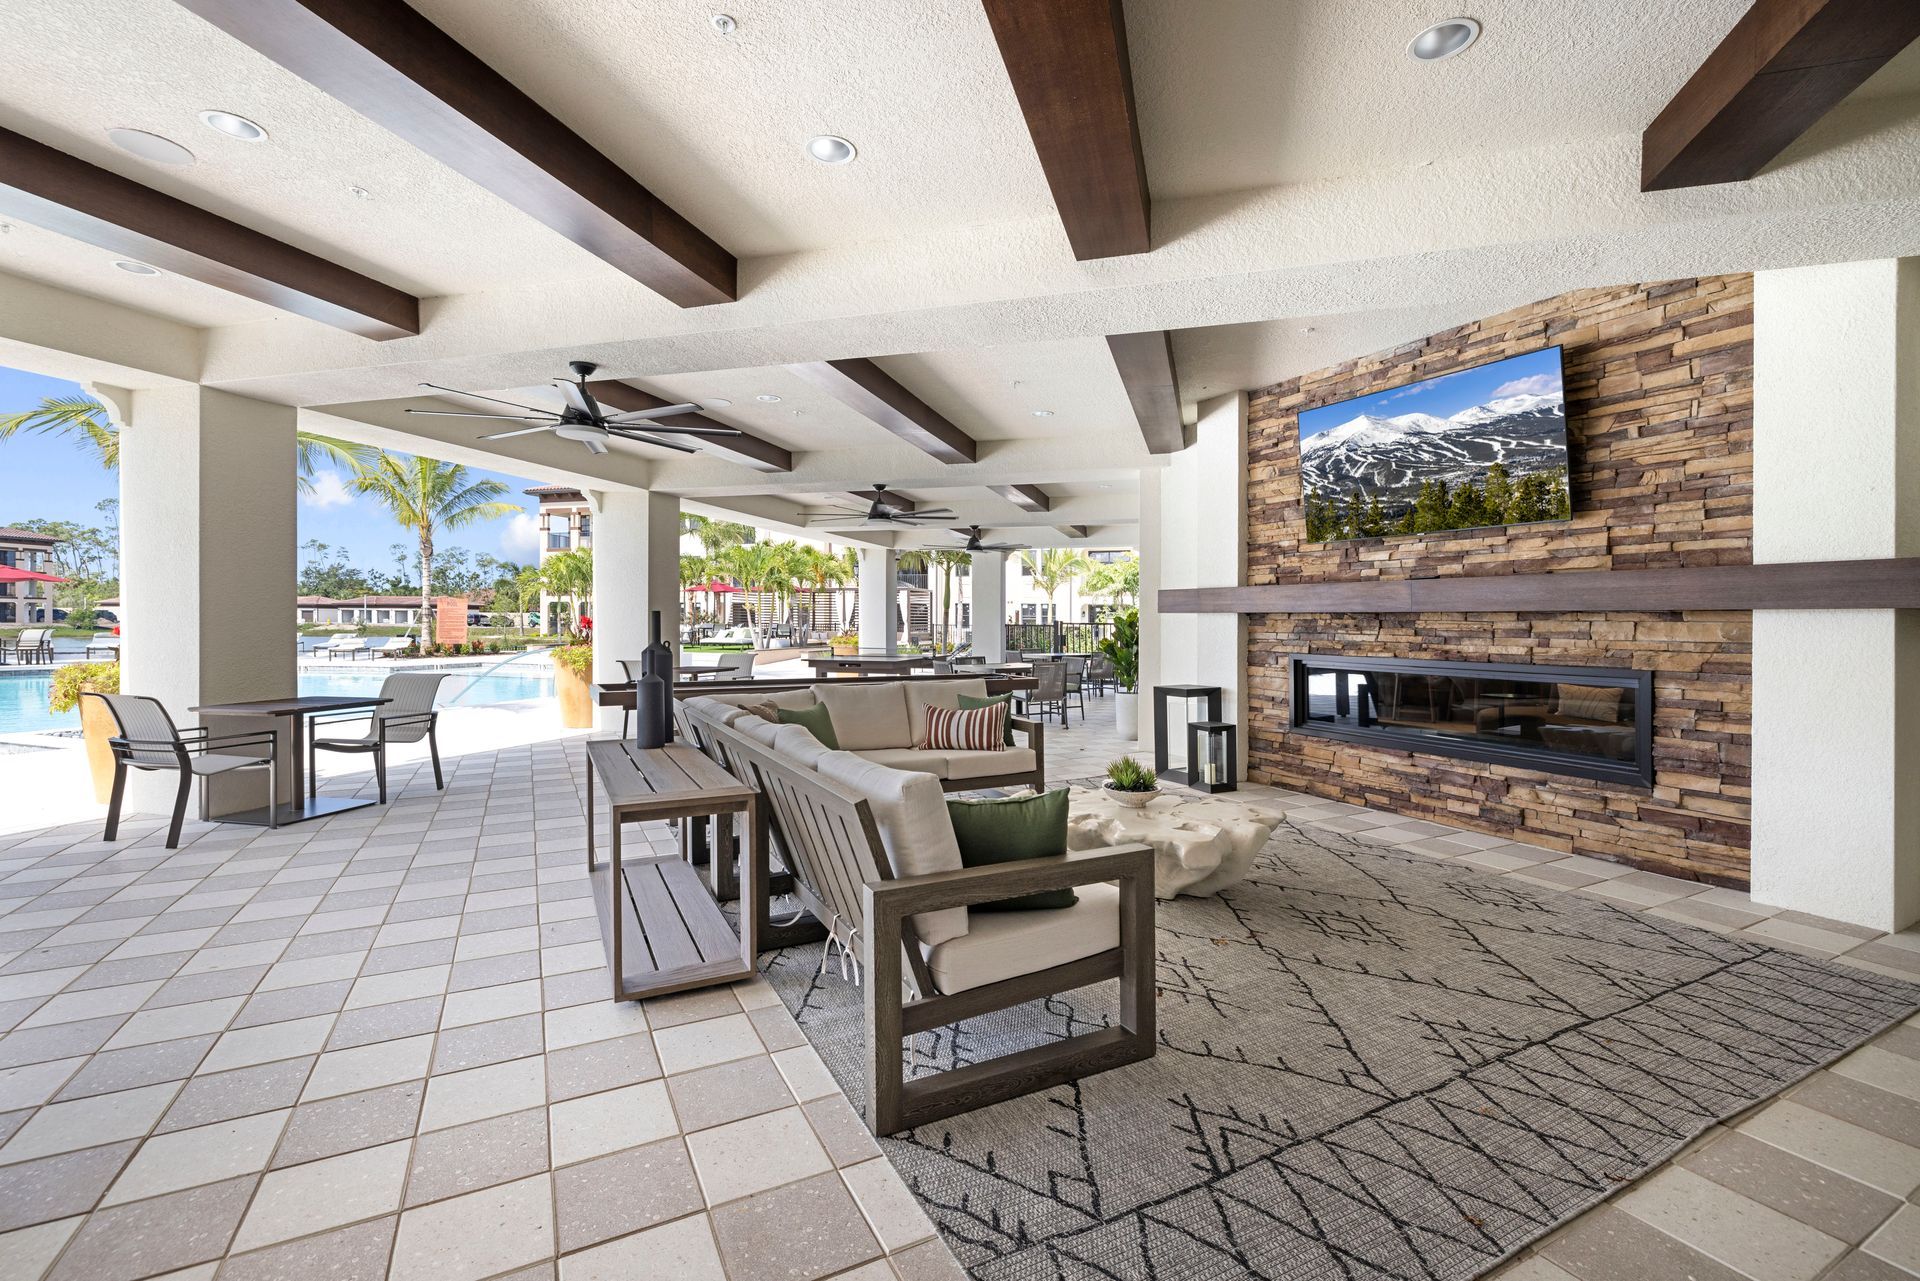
26,600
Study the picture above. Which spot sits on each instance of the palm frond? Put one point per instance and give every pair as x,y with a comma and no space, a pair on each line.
67,415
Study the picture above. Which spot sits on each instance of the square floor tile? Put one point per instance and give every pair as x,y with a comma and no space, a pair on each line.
696,1045
683,1250
613,1119
1720,1223
613,1195
601,1065
244,1047
86,1123
223,1095
347,1122
476,1235
158,1235
802,1230
727,1092
484,1004
499,1088
599,1021
367,1067
748,1156
478,1155
189,1158
325,1194
56,1187
357,1253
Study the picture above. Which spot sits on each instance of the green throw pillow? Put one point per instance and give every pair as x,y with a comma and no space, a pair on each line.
1008,829
815,721
968,703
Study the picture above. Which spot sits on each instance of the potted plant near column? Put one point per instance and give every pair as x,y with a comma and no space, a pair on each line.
845,645
96,722
573,684
1123,651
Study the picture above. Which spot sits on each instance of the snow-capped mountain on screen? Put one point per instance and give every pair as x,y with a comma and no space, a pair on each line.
1392,457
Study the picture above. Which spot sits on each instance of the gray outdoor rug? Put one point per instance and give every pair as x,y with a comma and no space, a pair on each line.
1371,1065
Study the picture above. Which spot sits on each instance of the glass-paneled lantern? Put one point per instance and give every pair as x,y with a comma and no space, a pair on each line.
1213,756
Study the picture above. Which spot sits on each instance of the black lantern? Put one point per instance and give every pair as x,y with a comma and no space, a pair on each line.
1213,756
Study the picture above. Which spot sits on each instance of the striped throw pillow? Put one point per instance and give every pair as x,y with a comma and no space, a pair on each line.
979,729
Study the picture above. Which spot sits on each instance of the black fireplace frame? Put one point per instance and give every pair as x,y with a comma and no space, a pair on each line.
1634,773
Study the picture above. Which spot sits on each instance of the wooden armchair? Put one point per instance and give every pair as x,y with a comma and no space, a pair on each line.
829,839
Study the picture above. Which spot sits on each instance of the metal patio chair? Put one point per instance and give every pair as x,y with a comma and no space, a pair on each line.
1077,685
407,717
1049,695
149,740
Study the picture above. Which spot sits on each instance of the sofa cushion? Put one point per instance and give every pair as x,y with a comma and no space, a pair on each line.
797,745
753,727
911,812
867,715
1010,829
817,721
969,702
1008,760
924,694
779,698
977,729
1004,945
913,758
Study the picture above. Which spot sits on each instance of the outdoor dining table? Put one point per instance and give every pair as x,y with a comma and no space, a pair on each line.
295,711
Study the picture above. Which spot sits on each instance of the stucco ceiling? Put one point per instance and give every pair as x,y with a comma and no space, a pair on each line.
1318,195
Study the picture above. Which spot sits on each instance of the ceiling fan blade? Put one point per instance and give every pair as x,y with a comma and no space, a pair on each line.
472,395
640,438
595,446
499,418
659,411
523,431
678,431
578,398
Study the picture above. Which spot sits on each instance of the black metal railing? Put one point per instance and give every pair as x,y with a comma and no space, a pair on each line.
1057,637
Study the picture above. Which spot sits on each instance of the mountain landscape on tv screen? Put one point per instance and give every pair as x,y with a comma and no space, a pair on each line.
1499,462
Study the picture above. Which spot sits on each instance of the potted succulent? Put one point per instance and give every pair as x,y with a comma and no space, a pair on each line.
845,645
1123,651
1131,783
573,683
96,722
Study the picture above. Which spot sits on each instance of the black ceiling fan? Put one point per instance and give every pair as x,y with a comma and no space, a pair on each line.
879,513
975,545
585,419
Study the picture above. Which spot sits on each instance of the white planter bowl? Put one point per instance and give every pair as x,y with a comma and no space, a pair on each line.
1132,800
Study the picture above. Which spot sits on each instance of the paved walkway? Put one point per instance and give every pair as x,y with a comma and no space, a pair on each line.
380,1046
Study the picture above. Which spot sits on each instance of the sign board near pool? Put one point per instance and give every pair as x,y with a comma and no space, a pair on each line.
450,620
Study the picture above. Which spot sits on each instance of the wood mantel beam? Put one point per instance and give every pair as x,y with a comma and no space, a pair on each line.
1068,63
64,194
1784,65
1028,498
1145,362
761,455
393,66
871,392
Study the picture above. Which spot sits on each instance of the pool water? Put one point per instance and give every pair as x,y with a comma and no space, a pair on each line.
23,695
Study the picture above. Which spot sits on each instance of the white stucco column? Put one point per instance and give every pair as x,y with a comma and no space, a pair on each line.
1195,521
879,600
207,566
988,583
1836,693
636,570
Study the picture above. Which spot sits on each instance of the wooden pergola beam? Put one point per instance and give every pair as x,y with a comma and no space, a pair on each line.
63,194
1068,63
393,66
869,391
1028,498
1784,65
1145,362
761,455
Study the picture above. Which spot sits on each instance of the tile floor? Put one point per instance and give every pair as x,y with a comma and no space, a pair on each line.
379,1046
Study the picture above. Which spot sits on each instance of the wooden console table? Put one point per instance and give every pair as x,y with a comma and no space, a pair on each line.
663,931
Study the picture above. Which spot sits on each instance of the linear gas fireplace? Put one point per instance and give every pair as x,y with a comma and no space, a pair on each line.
1592,722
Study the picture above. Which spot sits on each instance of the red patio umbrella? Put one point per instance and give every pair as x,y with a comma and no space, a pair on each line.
9,574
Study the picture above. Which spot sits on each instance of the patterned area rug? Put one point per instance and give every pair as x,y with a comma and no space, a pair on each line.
1371,1065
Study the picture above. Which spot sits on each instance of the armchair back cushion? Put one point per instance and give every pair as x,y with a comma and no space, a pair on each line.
818,721
911,812
868,715
1007,829
924,694
797,744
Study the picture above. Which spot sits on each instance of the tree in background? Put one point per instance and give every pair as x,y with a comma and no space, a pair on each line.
949,561
1498,499
819,570
1053,569
1118,579
716,535
426,495
569,574
753,568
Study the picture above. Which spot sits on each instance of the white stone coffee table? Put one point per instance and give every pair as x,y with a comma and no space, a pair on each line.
1201,844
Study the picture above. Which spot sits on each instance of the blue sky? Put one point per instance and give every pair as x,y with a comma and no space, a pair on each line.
1446,395
52,478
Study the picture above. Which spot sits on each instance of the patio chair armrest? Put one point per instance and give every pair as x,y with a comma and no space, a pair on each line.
254,738
410,718
335,718
889,902
152,744
1034,730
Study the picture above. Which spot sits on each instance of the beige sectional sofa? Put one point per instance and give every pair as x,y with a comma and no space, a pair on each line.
886,722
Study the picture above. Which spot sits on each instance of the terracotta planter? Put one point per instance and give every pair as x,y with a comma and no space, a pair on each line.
96,727
576,697
846,651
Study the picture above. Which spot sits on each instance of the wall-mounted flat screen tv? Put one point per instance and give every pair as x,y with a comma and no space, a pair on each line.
1479,446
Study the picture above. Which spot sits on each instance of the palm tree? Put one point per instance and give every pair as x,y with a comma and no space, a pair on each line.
87,418
568,574
425,494
1119,579
715,535
947,560
1053,569
755,569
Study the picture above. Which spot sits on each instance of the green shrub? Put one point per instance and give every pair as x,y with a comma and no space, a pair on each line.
1129,775
75,679
577,659
1123,648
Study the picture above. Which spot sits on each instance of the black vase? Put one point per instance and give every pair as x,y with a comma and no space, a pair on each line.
652,712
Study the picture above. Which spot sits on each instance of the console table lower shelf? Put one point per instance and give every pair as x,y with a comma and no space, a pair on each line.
662,930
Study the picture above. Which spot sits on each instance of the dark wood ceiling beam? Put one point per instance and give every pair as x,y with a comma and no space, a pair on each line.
1145,362
761,455
51,189
1068,63
390,64
1784,65
1073,531
898,502
1028,498
869,391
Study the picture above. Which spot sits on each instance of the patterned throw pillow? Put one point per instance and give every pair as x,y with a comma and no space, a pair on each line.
975,730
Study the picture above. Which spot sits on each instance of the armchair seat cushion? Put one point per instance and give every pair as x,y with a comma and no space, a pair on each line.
1004,945
913,758
1008,760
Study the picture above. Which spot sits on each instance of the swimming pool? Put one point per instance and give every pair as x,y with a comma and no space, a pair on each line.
23,695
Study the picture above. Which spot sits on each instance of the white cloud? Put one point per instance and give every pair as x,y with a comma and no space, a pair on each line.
329,490
1414,389
1531,385
521,538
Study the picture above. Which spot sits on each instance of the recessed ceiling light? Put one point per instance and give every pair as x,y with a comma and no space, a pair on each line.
831,149
767,398
136,268
1444,39
150,146
360,193
233,126
723,23
1043,413
715,403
